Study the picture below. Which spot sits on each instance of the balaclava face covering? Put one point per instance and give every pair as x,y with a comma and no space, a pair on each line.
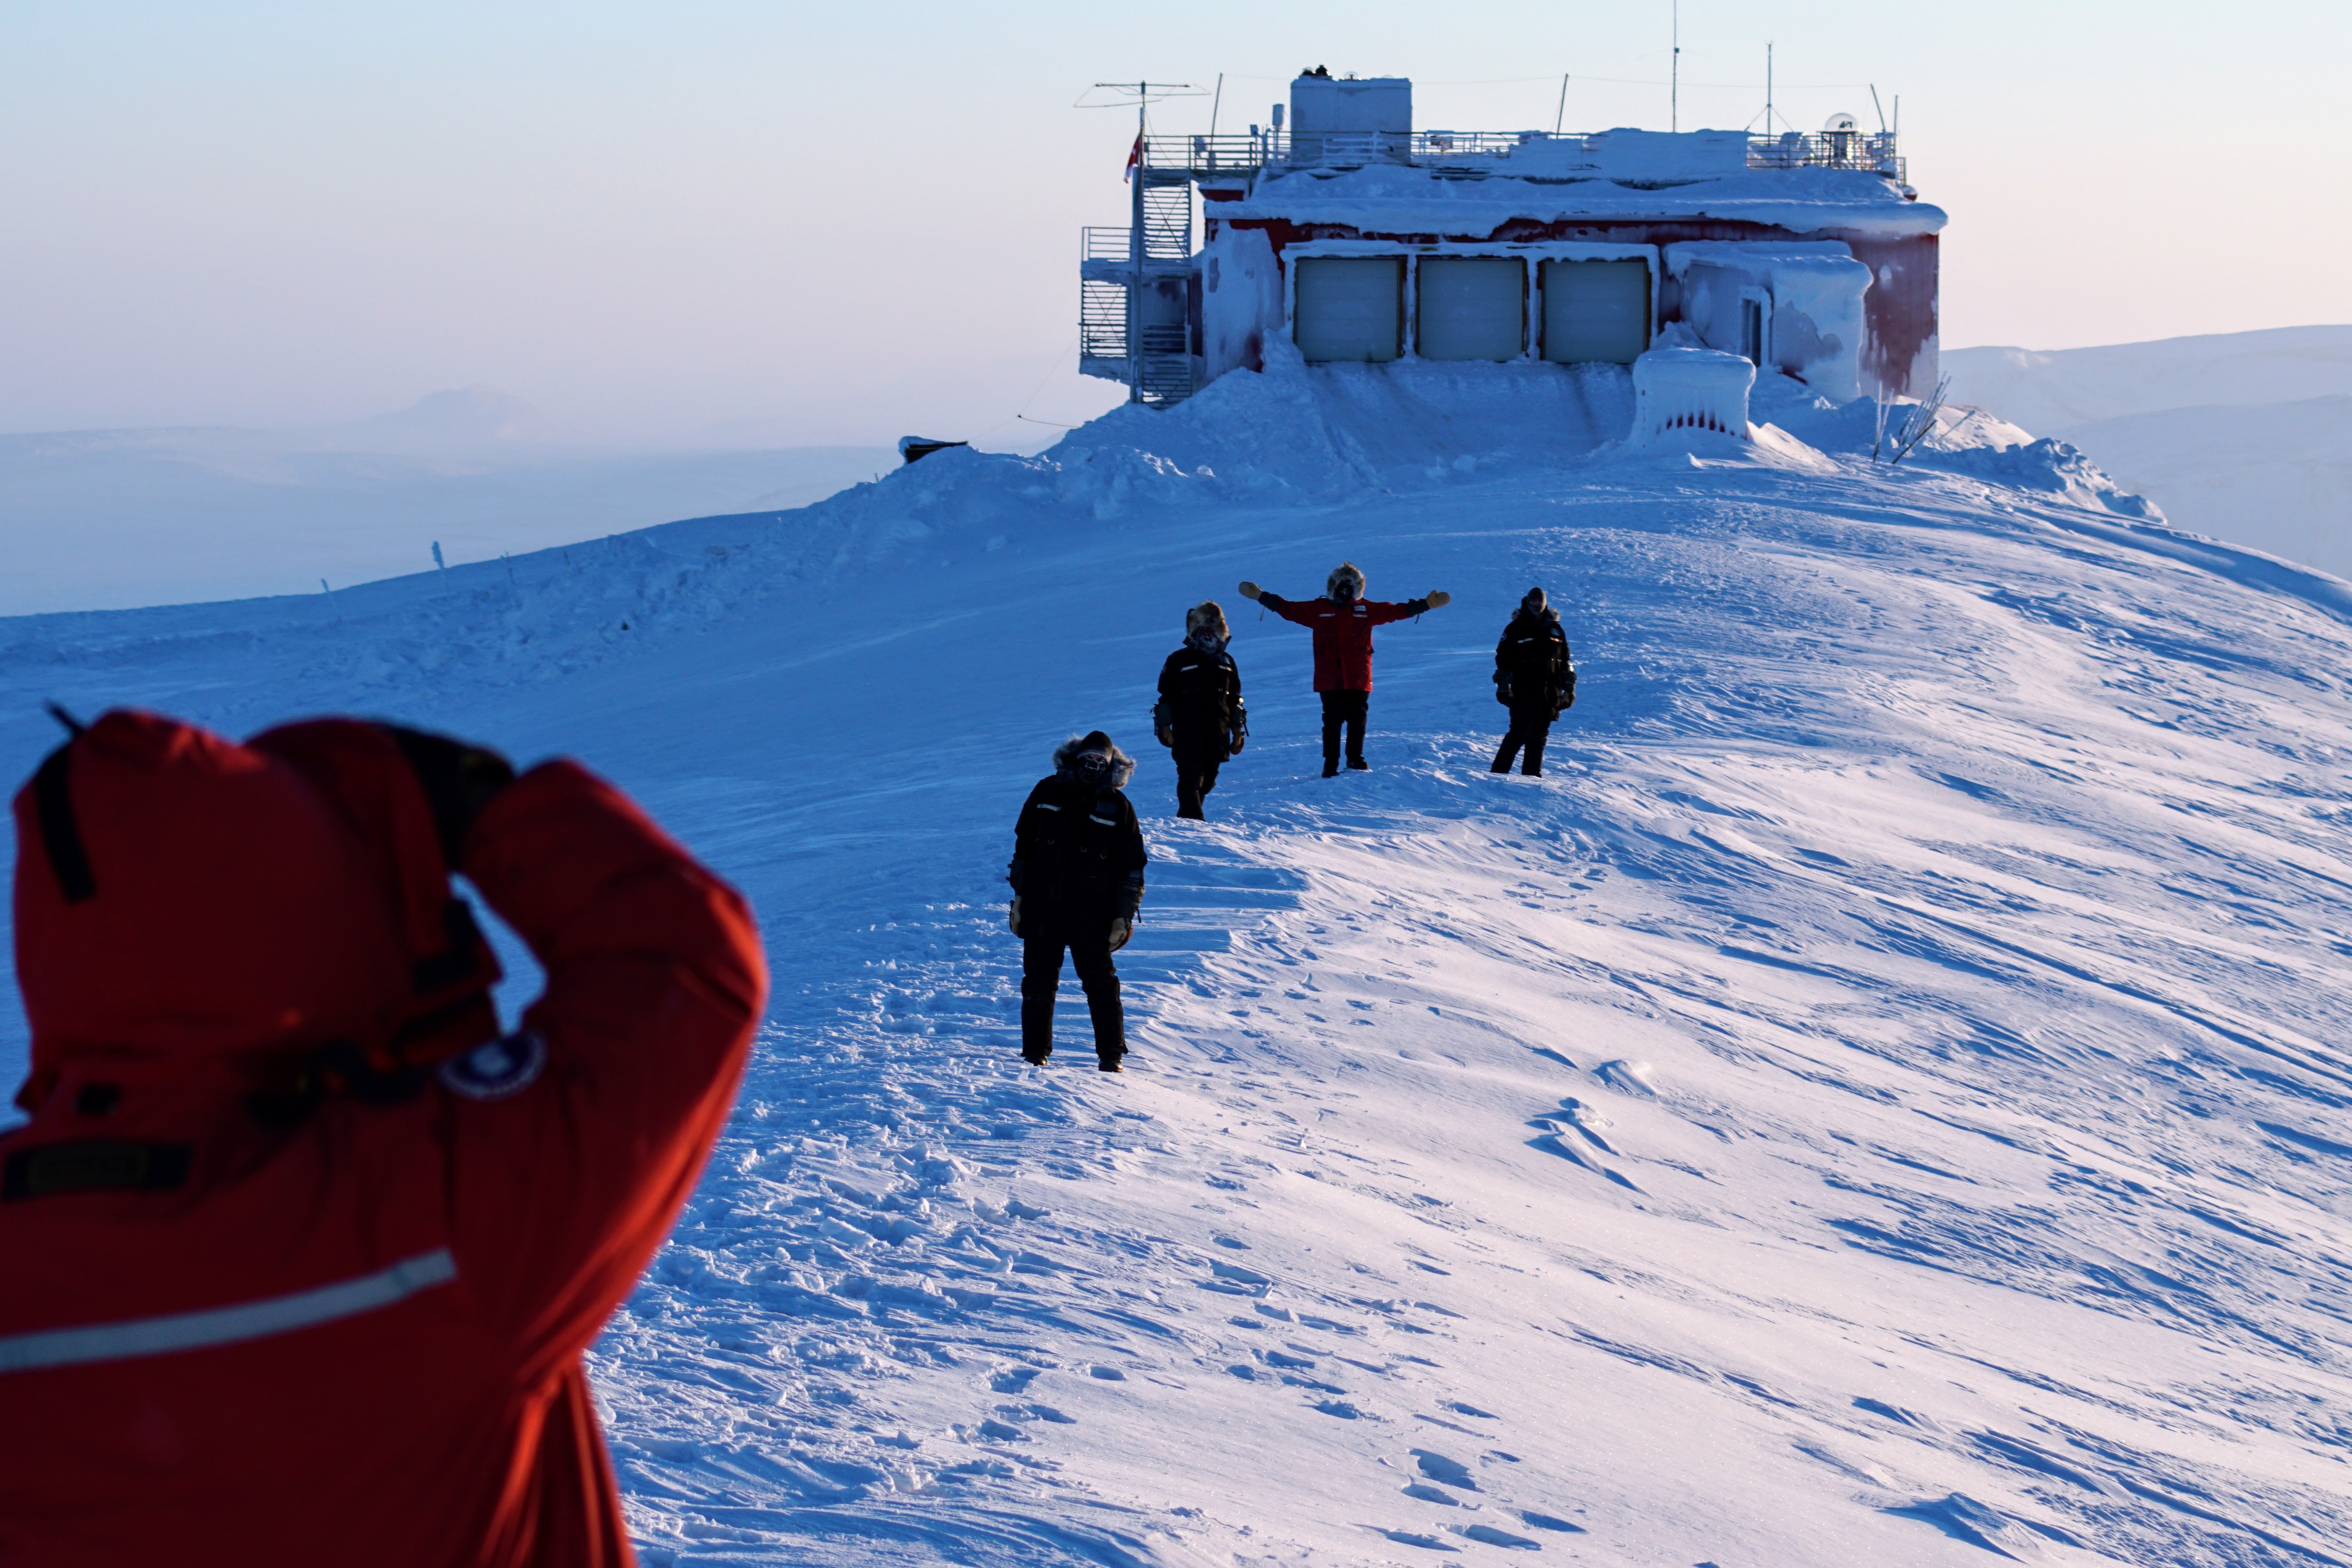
1533,604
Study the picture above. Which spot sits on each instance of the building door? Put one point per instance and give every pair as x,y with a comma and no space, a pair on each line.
1349,307
1470,307
1596,311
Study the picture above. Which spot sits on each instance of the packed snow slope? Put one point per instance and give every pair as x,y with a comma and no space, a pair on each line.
1880,1100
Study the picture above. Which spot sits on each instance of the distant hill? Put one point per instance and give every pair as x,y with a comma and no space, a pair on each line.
111,519
2243,436
2049,392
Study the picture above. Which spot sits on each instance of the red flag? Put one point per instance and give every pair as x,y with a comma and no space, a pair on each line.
1134,159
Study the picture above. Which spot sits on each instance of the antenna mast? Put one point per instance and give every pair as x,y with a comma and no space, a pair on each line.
1767,87
1674,76
1562,114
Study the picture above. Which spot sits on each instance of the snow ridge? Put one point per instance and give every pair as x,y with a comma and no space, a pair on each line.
1879,1099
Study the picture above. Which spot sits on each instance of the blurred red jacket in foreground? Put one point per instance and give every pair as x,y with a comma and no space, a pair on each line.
244,1320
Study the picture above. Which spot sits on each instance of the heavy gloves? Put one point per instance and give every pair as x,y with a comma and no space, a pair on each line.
1013,916
1438,598
1502,691
1250,590
1121,929
459,780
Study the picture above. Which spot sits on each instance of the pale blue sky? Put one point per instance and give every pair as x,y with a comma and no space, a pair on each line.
816,224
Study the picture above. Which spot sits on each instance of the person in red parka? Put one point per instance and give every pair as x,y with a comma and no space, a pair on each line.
1342,621
300,1252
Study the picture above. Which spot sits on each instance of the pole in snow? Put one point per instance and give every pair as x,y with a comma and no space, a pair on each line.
1674,76
1562,113
1135,253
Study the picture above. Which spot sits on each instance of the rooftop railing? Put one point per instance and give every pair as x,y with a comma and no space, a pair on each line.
1475,152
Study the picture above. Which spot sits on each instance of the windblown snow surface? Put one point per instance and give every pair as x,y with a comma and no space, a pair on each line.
1879,1099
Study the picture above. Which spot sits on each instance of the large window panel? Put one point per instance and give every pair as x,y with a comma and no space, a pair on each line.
1596,311
1349,307
1470,307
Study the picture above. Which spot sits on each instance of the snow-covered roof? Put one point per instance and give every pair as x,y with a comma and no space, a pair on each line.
1392,198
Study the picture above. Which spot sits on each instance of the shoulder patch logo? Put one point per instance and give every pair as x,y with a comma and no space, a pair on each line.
497,1069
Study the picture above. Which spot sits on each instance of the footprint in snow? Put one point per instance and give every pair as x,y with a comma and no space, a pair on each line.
1546,1521
1409,1538
1628,1078
1488,1535
1438,1468
1013,1380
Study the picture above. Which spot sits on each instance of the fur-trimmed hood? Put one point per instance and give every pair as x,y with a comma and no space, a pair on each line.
1348,572
1122,767
1205,627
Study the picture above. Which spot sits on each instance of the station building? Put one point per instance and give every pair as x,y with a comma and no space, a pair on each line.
1354,237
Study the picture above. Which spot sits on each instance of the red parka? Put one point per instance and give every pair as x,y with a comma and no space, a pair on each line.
1343,634
248,1317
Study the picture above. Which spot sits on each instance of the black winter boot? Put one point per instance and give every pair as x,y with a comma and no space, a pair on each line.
1035,1054
1107,1061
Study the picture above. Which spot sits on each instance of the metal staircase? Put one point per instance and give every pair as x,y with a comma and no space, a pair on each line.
1138,291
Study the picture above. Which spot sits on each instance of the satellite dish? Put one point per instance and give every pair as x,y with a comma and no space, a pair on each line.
1839,123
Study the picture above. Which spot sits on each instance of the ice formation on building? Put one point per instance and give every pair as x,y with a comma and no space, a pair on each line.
1355,237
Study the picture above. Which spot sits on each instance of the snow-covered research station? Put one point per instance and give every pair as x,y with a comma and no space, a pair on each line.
1355,237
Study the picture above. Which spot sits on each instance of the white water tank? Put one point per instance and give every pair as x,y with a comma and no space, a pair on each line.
1370,116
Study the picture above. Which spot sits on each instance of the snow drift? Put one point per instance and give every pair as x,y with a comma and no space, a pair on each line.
1880,1100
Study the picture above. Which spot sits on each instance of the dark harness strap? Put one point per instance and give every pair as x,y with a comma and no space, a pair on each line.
60,834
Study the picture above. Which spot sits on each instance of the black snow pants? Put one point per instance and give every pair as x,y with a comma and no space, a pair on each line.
1086,935
1196,775
1530,727
1348,708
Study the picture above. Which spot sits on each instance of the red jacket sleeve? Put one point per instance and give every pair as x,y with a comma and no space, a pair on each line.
1383,611
1299,612
561,1191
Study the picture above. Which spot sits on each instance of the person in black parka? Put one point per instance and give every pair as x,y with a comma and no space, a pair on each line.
1078,883
1200,716
1535,678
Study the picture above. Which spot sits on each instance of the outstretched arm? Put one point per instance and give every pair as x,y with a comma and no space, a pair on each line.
1382,612
1275,602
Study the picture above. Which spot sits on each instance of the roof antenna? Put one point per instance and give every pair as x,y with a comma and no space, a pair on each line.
74,726
1878,106
1674,77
